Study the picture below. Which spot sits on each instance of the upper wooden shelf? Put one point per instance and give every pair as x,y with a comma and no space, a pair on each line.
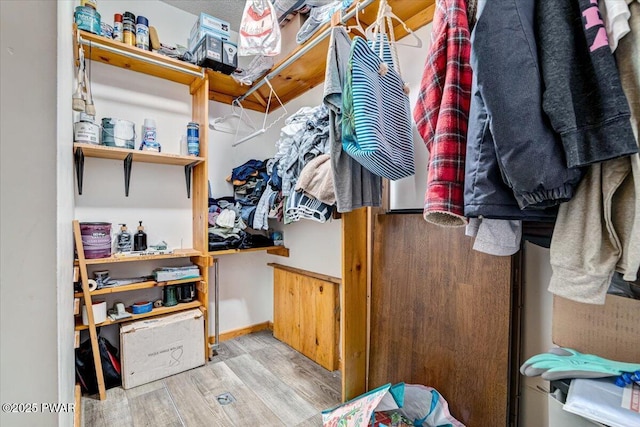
112,52
304,74
308,71
115,153
177,253
273,250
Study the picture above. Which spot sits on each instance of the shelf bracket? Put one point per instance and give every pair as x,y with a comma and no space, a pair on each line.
188,171
78,157
127,173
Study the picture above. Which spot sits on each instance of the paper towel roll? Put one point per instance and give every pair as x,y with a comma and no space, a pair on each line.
93,285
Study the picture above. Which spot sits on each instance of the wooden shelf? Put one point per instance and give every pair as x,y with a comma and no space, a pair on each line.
308,71
132,58
140,285
177,253
273,250
155,312
115,153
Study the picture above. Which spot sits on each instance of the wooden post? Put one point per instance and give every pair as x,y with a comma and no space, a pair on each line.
88,305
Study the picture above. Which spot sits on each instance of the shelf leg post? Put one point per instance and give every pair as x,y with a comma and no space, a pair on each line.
78,157
127,173
188,171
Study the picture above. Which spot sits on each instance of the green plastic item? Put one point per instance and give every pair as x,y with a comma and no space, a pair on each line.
561,363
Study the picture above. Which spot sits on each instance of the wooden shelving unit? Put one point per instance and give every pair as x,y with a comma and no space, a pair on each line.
305,74
155,312
136,286
177,253
273,250
115,153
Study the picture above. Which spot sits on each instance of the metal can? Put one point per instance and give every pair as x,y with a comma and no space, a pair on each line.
117,27
142,33
193,139
129,28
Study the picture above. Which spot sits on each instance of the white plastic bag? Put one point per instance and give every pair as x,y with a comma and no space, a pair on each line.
259,29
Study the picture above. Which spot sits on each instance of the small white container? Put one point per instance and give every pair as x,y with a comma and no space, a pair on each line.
99,313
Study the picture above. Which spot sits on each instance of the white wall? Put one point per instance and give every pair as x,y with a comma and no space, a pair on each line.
34,368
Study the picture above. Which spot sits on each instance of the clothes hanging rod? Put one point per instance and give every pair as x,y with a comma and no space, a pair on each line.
142,58
305,49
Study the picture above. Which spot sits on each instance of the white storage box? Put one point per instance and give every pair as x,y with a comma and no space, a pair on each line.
162,346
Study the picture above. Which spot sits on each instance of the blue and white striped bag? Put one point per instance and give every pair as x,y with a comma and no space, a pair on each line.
377,124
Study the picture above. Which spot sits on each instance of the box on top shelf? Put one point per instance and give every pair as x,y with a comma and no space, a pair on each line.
219,55
207,24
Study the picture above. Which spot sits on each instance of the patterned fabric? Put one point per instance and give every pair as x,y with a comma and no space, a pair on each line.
442,111
376,105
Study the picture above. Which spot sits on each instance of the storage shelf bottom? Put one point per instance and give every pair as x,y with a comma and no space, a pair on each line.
155,312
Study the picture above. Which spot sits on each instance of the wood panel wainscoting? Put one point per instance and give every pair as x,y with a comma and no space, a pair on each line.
445,316
306,308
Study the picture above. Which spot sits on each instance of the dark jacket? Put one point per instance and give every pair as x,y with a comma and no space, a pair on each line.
514,159
583,96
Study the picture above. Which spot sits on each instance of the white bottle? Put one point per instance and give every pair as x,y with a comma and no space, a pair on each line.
149,141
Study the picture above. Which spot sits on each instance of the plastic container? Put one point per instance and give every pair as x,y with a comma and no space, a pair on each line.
88,19
118,133
99,312
96,239
142,33
149,141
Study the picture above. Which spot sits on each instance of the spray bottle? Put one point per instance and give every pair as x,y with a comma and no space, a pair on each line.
140,239
124,241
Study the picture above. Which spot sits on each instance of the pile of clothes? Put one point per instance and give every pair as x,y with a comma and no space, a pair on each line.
227,229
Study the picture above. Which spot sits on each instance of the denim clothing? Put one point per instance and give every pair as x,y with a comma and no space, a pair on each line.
506,117
244,171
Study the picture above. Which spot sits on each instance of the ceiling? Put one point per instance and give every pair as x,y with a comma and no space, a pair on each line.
228,10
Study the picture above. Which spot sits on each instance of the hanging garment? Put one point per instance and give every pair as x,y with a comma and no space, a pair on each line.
582,96
514,159
379,134
615,14
495,236
442,111
598,231
354,185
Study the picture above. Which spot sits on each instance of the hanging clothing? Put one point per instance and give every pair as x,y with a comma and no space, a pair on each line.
615,14
442,111
582,96
354,185
495,236
598,231
507,127
316,180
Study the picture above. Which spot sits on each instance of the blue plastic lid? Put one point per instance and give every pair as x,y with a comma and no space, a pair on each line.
142,20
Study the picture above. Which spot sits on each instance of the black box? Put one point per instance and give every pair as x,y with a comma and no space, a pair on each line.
214,53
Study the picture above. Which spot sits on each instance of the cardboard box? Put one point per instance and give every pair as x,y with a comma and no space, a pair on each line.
611,330
207,24
162,346
219,55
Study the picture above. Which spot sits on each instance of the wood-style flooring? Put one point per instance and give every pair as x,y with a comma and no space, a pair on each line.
270,385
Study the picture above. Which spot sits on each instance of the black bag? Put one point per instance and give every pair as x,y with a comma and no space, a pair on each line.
85,368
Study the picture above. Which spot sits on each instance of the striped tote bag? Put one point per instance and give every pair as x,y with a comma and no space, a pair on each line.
376,122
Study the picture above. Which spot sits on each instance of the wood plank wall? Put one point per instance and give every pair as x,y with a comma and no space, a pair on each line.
305,313
440,316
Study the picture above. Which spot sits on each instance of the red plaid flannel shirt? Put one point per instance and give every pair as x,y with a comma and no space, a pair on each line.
442,113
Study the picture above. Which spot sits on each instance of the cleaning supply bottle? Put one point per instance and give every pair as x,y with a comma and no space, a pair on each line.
124,240
140,239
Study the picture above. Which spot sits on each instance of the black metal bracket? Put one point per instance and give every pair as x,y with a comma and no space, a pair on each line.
78,159
188,172
127,173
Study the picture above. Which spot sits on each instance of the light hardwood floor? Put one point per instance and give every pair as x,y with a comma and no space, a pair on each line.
270,383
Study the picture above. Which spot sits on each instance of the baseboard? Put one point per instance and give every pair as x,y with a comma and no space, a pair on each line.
224,336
